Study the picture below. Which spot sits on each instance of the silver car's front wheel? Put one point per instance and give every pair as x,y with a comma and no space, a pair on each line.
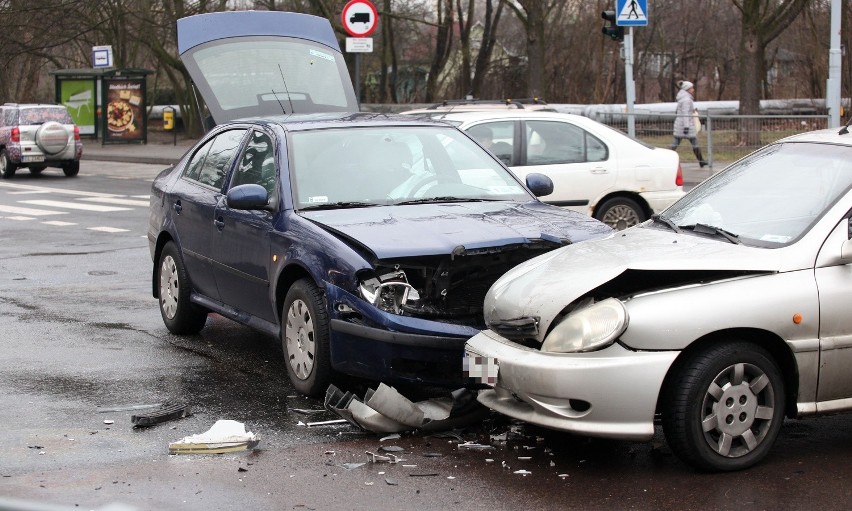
169,290
723,406
305,338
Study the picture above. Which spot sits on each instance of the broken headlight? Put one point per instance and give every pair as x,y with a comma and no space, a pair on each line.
588,329
389,292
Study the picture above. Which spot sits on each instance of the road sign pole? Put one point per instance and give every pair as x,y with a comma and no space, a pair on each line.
358,78
630,87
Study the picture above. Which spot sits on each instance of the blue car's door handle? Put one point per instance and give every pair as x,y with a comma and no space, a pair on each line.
178,207
219,223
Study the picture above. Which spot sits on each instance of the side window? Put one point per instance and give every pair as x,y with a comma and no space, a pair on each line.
10,117
497,137
2,117
550,143
193,170
218,158
257,164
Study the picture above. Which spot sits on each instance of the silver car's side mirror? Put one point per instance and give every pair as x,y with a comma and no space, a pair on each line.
846,248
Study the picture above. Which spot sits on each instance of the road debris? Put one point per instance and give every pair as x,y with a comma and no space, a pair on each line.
385,410
475,446
394,436
391,448
326,423
391,482
127,408
352,466
422,474
522,472
378,458
307,411
224,436
166,412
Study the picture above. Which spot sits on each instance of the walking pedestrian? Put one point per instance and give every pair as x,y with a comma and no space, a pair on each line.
684,127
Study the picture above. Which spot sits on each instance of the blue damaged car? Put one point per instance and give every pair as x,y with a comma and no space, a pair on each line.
365,242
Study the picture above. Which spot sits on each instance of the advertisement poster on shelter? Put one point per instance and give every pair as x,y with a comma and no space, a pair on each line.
78,96
124,114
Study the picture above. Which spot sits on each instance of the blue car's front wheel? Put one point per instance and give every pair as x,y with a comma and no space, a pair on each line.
305,338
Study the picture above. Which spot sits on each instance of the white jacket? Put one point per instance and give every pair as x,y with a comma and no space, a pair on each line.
685,110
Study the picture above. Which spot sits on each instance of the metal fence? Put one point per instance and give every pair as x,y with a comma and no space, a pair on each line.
723,138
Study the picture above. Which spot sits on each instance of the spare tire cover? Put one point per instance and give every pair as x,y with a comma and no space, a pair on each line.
52,137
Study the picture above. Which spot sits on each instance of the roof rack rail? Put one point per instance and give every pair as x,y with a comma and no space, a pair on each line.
517,103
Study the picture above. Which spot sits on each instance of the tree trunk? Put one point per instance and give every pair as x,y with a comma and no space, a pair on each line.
489,39
535,47
752,77
443,45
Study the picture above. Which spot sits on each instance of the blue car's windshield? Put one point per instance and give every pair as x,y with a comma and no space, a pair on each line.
395,165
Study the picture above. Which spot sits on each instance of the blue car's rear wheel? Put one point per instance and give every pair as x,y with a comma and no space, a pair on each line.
179,314
304,335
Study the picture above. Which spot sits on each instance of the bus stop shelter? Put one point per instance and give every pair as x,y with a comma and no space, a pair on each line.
106,103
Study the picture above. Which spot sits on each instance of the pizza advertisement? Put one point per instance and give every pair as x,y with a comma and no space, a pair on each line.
124,110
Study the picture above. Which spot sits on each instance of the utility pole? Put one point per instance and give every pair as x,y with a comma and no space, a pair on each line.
832,85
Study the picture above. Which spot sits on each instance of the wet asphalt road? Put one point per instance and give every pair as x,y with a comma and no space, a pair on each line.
80,333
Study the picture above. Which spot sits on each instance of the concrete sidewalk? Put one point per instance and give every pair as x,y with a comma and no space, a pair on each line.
160,150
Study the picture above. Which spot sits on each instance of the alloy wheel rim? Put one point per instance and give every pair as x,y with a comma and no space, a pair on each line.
299,337
169,292
621,217
738,410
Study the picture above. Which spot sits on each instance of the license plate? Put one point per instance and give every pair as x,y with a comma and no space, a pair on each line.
32,159
479,369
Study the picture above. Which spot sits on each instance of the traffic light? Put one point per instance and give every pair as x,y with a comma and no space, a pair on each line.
610,29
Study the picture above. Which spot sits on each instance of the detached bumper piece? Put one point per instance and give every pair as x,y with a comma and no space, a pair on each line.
385,410
165,413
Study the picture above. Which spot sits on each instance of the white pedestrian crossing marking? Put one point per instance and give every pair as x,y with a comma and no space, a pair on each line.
18,218
74,205
15,210
107,229
64,191
27,192
119,202
58,223
146,197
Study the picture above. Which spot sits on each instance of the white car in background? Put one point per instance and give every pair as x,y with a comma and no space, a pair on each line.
595,169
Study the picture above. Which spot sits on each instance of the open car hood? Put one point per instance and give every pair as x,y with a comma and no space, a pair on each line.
455,228
262,63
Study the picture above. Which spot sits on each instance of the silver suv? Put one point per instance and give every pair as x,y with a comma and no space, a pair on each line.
37,137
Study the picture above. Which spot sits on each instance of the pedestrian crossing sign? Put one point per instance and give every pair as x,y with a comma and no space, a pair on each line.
631,13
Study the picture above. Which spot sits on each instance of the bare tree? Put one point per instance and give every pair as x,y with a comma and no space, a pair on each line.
762,21
443,46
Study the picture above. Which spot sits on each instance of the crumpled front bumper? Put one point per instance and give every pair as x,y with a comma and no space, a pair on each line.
608,393
378,345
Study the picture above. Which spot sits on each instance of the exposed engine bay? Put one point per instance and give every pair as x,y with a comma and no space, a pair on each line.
449,288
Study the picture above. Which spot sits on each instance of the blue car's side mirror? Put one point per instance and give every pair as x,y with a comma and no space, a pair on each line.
249,196
539,184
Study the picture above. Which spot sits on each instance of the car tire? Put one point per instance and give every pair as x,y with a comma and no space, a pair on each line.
620,213
7,168
37,170
180,315
305,338
71,169
724,407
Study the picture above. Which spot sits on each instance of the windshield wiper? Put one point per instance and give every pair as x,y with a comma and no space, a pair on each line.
429,200
712,229
340,205
667,222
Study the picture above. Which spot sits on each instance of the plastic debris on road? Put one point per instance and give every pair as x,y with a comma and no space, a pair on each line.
384,410
225,436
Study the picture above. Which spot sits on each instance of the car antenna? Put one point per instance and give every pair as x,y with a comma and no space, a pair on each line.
289,99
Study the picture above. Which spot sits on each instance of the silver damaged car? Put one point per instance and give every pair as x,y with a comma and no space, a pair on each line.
717,318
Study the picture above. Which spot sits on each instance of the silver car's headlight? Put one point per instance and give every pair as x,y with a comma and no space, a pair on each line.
588,329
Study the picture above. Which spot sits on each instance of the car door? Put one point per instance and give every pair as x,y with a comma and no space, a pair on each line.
193,201
580,164
241,244
834,283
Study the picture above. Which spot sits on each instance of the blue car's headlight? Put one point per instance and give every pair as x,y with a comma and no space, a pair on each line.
389,292
588,329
